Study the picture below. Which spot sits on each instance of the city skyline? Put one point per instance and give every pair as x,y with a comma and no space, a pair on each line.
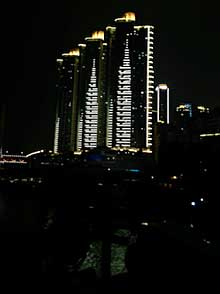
105,89
183,59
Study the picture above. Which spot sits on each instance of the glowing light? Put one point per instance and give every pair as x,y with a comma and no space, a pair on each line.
73,52
34,153
163,86
91,111
124,94
193,203
207,241
110,124
210,135
133,170
56,135
98,35
82,45
129,16
149,87
202,108
78,152
187,107
145,224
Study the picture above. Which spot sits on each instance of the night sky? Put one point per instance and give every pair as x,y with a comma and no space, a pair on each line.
186,57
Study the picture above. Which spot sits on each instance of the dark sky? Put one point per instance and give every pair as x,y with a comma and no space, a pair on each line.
187,55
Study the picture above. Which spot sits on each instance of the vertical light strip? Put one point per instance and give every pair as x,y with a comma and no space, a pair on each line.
91,111
158,104
123,108
168,105
56,135
79,134
110,124
149,88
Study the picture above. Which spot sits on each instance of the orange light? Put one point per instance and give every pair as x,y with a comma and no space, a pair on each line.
98,35
73,52
129,16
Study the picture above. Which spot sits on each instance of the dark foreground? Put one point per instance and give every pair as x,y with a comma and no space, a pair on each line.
48,224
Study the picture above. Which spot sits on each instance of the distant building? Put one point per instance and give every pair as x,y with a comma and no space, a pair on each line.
201,109
184,110
163,104
211,125
183,115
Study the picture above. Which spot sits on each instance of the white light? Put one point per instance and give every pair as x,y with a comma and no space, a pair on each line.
193,203
158,88
207,241
91,110
123,107
149,86
145,224
201,199
34,153
163,86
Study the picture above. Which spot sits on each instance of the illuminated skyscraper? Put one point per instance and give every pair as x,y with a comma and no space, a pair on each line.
130,84
163,104
66,91
105,90
91,111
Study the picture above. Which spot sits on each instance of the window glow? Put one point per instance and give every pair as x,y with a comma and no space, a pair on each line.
123,108
149,86
56,135
91,111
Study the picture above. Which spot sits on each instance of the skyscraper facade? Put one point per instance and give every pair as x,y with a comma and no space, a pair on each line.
66,92
91,111
129,84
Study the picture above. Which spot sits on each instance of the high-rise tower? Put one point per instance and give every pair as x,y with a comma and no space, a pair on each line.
130,83
91,111
67,96
163,103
